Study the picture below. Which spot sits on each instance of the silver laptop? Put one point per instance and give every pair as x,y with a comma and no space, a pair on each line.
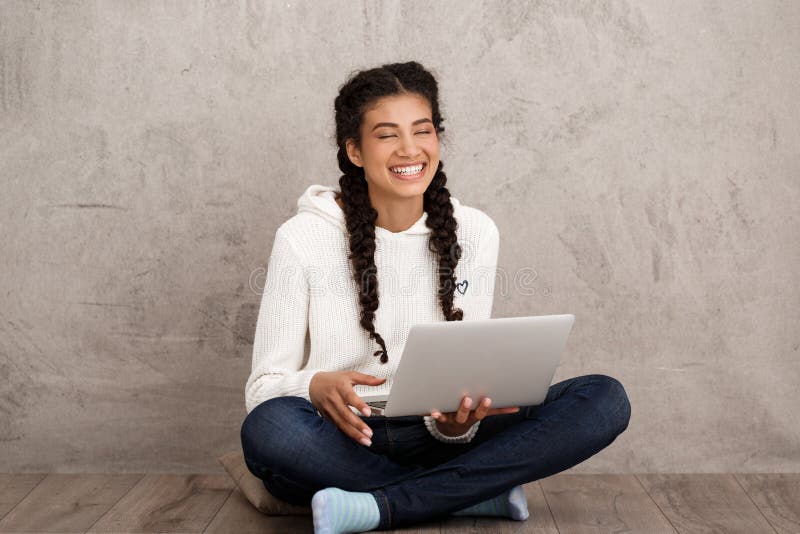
511,360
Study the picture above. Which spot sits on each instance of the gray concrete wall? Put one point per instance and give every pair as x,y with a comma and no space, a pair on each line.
640,159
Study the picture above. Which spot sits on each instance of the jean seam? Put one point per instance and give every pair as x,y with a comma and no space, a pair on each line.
380,496
388,510
388,438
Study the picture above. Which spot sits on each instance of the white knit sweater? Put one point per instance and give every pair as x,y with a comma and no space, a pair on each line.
309,294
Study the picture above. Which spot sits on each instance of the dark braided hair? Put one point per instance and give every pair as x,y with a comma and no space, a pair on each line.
356,96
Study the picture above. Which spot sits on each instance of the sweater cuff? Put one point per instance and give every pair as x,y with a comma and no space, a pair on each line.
297,384
466,437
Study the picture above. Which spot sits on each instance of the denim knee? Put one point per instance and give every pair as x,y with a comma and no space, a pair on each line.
267,429
616,406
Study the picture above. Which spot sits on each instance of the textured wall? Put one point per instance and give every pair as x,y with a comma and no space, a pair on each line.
640,159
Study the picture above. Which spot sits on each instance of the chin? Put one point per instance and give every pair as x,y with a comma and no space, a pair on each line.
412,190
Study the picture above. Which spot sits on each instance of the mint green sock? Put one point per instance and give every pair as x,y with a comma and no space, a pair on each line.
337,511
512,503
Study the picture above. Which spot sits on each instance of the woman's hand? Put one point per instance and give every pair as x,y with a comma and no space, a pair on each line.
331,392
457,423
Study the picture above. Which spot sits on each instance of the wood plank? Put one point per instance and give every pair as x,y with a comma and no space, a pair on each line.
14,488
238,515
777,496
705,502
539,522
602,503
162,502
579,503
67,502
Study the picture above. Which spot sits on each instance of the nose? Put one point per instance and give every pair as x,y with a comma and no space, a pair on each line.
408,146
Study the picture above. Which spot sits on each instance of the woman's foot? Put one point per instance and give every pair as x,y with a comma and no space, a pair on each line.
512,503
337,511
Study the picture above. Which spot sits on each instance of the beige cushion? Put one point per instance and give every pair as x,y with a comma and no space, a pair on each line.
253,488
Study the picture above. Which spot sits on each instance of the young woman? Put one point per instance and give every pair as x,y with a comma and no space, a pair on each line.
355,269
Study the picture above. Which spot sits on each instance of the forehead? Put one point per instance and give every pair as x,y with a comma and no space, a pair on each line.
400,109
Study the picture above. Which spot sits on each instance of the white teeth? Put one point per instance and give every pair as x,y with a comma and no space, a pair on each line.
415,169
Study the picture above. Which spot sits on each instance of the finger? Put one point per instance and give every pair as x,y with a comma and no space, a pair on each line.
354,420
361,378
348,396
494,411
352,425
483,408
463,411
443,417
351,431
355,401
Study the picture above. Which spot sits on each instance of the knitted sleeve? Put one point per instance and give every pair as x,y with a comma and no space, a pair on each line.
466,437
279,342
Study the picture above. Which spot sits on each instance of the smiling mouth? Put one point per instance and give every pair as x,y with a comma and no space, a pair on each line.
407,172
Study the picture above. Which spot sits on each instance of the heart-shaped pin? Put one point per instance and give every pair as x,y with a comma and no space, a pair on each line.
463,283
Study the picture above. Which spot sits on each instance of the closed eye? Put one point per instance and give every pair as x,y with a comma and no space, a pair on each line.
392,135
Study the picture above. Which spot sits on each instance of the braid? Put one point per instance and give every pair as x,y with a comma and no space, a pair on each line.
355,96
360,219
443,240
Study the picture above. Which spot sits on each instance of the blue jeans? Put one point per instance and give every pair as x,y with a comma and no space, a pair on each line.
413,476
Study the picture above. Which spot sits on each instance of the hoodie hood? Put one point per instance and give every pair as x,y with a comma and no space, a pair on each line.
321,200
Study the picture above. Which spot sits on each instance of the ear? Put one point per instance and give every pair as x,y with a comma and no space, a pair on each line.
353,153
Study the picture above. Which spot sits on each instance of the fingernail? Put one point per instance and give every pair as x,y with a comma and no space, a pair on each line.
368,432
366,411
365,442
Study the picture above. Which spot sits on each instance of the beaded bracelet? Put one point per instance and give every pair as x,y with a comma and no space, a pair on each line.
430,423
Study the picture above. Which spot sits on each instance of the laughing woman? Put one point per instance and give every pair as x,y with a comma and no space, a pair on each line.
393,226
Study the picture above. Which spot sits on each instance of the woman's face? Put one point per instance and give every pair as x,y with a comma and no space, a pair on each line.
397,135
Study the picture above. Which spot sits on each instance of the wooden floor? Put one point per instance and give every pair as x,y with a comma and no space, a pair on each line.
562,503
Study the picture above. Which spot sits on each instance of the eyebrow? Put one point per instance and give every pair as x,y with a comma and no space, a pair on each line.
394,125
